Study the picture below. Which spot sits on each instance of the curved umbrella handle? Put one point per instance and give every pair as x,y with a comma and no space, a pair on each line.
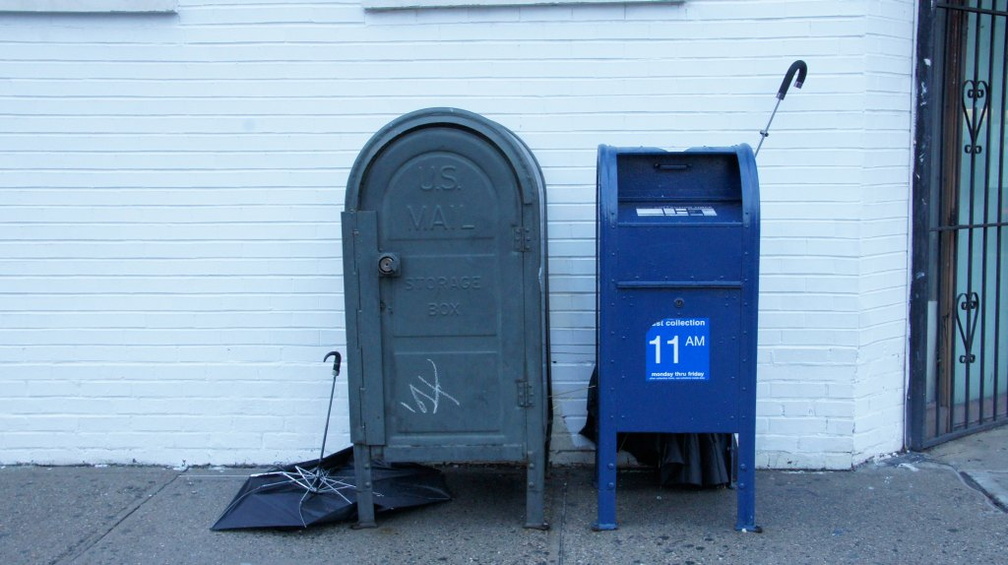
336,362
332,393
799,67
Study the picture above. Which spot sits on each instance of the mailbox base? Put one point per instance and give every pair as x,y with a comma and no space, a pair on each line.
746,513
535,491
535,499
605,476
365,491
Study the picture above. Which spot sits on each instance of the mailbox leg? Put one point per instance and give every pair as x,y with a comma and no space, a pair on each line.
365,488
535,514
605,478
746,488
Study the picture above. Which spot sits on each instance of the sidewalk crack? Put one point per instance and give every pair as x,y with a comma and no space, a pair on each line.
83,546
556,532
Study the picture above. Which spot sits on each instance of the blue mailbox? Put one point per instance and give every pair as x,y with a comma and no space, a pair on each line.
678,271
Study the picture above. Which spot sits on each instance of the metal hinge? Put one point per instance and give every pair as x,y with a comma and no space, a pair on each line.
524,393
522,238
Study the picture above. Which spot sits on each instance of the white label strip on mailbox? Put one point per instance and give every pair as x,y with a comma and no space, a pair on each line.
676,211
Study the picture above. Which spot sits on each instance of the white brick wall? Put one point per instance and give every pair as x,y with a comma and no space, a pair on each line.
879,384
171,188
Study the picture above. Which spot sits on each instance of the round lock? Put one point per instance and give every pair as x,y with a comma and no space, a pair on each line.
388,265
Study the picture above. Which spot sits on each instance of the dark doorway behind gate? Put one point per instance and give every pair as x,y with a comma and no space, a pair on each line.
959,305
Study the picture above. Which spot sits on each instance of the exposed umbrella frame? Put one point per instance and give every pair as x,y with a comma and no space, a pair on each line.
323,490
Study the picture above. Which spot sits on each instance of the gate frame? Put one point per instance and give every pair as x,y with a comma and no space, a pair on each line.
935,131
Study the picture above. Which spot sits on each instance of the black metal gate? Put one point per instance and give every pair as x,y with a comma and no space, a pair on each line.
959,307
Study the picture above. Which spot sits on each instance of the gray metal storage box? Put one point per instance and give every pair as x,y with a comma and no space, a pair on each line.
444,253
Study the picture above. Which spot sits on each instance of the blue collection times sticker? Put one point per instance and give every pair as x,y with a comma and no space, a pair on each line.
678,349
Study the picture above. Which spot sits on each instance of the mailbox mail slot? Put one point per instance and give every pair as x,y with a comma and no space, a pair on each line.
445,276
678,264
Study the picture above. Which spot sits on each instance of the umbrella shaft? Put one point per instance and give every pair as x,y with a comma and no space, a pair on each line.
765,132
325,432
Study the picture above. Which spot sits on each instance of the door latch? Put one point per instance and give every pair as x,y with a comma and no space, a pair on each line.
388,265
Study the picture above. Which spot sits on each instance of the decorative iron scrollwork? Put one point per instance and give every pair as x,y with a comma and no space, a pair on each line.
976,92
968,303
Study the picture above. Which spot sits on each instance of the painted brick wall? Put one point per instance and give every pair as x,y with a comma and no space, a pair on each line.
880,390
835,296
169,234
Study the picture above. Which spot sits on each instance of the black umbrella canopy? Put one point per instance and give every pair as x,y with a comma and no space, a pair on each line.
311,493
323,490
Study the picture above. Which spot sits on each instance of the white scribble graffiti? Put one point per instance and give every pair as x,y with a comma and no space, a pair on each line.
427,397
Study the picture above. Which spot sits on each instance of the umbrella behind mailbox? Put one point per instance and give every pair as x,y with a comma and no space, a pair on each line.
322,490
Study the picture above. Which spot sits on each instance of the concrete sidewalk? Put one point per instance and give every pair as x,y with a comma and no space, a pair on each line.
945,506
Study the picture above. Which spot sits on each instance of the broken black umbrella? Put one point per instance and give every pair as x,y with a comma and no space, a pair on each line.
323,491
